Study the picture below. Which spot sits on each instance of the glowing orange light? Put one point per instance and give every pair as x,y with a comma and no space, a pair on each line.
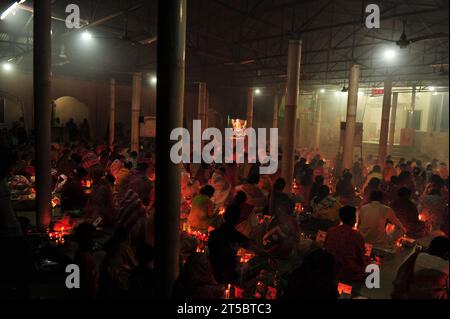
227,292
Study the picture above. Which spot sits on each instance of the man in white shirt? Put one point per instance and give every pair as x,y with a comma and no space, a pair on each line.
436,257
424,275
373,218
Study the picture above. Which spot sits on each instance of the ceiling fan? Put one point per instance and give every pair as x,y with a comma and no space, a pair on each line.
442,68
404,42
241,62
145,39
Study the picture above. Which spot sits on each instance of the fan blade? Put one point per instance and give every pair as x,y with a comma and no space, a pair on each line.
246,62
429,37
378,38
148,40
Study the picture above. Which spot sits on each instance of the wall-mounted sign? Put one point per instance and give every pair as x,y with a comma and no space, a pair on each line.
377,92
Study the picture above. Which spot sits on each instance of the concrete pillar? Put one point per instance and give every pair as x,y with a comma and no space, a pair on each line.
292,92
317,120
202,112
382,146
112,110
392,123
135,110
42,109
250,107
352,104
169,115
298,135
275,111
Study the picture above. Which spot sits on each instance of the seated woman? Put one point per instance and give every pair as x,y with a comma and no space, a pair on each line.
281,238
424,275
101,203
325,209
390,190
247,219
72,194
203,174
116,267
433,210
202,211
196,281
373,185
254,194
222,187
345,190
265,185
406,212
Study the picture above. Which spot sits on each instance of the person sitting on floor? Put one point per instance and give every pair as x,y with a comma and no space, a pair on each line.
101,203
223,245
424,275
406,212
122,176
375,173
373,185
85,259
116,267
72,193
247,220
325,209
139,182
254,194
202,209
433,209
222,187
142,278
196,281
345,190
280,200
347,246
373,218
318,181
